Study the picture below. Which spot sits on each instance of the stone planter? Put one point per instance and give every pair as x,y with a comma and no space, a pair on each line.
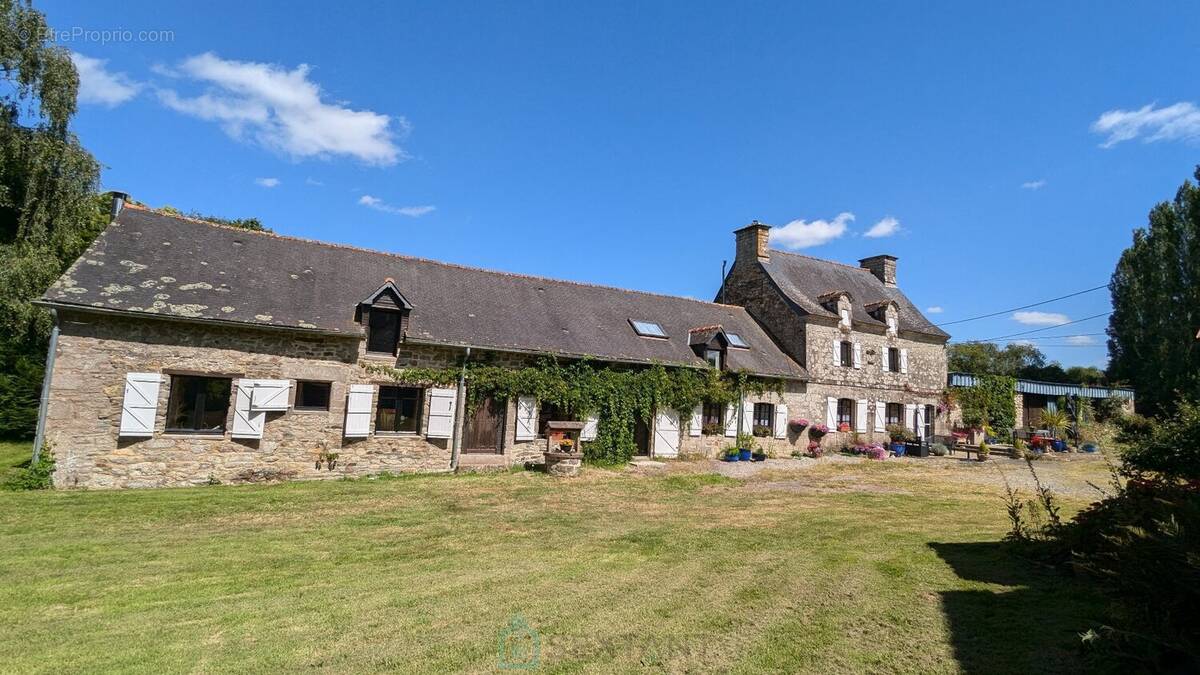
565,464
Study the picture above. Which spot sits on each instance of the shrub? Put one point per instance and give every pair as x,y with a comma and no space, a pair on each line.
1171,449
762,431
900,433
984,450
1019,449
939,450
875,451
35,476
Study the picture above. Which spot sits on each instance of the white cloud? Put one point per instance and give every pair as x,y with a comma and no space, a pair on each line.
380,205
1040,318
1034,184
884,228
99,85
1080,340
936,309
801,234
282,109
1179,122
1024,343
313,181
267,182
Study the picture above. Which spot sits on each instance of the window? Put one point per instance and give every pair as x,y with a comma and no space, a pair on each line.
198,404
548,412
929,422
736,340
713,415
764,416
845,313
713,356
847,354
895,412
399,410
312,395
647,329
845,412
893,359
383,333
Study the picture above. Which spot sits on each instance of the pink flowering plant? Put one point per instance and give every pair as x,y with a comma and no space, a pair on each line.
818,430
798,423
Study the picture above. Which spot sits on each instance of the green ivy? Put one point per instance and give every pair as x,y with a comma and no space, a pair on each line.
990,402
617,396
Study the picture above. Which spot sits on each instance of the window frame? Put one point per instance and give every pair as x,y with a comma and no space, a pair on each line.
737,341
706,418
889,408
418,409
648,329
399,329
848,416
770,418
302,385
893,359
720,358
846,354
177,383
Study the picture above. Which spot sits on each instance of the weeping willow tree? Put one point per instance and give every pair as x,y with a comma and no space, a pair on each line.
49,209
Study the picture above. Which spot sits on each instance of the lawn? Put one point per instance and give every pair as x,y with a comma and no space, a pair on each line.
850,568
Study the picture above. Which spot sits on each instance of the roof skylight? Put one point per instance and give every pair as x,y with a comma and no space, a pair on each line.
647,329
736,340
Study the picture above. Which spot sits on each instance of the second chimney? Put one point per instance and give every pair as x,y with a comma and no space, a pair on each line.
882,266
753,243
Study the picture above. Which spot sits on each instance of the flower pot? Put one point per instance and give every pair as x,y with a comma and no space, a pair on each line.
1060,446
916,450
729,458
898,449
744,455
758,458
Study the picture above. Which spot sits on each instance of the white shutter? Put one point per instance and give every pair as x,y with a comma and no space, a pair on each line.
588,433
910,415
247,422
666,434
880,415
860,418
697,421
731,420
857,355
837,352
831,413
526,418
904,361
891,323
358,410
269,395
921,422
441,413
886,361
747,417
139,407
781,421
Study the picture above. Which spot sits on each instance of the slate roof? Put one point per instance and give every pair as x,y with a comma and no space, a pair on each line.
148,262
805,280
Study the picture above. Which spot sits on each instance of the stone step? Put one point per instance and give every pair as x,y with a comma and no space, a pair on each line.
469,461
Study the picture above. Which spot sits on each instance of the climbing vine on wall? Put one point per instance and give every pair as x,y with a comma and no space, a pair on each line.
617,396
992,402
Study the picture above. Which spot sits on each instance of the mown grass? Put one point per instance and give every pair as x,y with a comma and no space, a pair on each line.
14,456
616,572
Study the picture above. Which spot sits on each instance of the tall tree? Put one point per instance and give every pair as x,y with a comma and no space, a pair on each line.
48,207
1152,339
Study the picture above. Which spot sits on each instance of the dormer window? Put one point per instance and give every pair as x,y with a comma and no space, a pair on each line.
713,356
385,313
383,331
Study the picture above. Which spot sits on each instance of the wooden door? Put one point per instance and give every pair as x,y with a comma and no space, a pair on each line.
483,428
641,437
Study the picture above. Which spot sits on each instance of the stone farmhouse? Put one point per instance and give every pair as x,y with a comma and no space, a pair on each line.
186,352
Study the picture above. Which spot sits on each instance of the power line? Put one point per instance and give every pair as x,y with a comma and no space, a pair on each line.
1038,330
1014,309
1051,337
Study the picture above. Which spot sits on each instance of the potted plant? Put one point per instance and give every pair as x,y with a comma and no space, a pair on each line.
984,451
762,431
331,460
712,429
745,447
814,449
798,424
876,451
844,427
730,454
899,434
758,455
818,431
566,445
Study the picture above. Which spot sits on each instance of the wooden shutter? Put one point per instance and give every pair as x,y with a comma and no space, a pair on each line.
139,407
837,352
781,421
747,417
526,418
860,416
697,421
831,413
666,434
247,422
857,355
731,420
886,361
910,415
441,413
880,415
588,433
904,361
270,395
358,410
921,422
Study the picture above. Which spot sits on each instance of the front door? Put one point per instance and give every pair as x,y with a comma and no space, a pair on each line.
641,437
483,428
666,434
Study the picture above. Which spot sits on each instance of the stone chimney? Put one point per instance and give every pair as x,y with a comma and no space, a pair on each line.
752,243
882,266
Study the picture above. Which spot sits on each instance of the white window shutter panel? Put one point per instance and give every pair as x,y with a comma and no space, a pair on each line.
526,418
247,422
831,413
837,352
904,361
139,407
731,420
697,421
358,410
860,417
910,415
857,355
666,434
270,395
747,417
886,362
921,422
442,402
781,421
880,416
588,433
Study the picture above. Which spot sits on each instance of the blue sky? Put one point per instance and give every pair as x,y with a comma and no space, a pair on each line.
1005,151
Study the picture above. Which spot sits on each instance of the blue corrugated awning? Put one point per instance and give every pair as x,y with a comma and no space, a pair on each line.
1050,388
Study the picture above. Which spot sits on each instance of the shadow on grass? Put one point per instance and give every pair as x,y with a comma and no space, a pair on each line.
1031,624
